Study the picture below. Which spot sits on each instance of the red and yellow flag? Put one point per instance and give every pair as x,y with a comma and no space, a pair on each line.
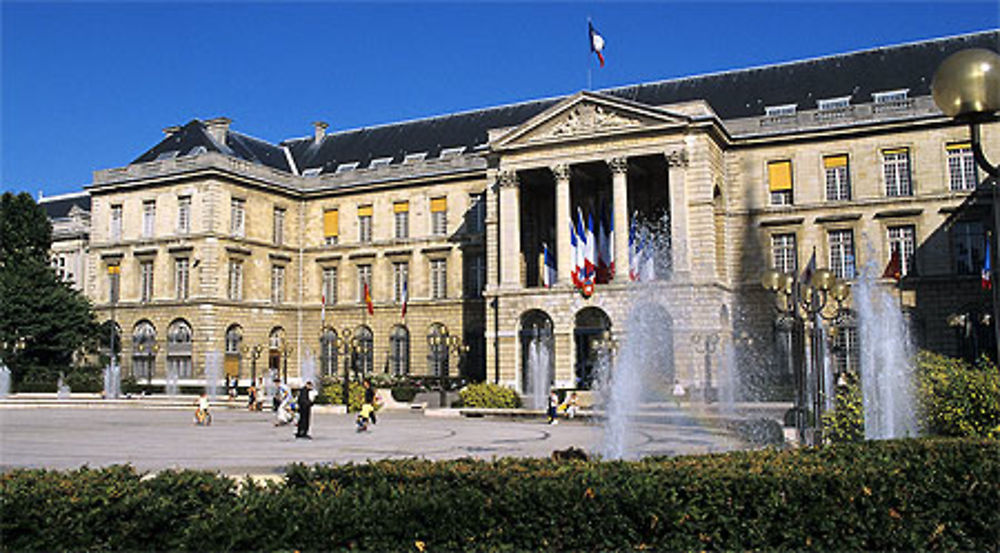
368,300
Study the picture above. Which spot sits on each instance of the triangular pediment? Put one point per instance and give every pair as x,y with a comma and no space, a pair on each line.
587,115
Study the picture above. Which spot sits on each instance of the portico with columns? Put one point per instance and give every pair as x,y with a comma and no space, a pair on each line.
624,163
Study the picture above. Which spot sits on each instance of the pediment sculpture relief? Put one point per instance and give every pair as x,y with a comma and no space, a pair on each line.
589,118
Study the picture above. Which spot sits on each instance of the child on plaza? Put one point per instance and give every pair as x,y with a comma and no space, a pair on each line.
678,392
366,415
252,397
201,414
570,405
553,405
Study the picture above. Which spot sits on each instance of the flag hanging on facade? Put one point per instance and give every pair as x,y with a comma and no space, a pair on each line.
987,269
368,300
810,269
581,251
596,43
405,298
609,227
574,274
548,268
602,249
634,251
894,269
591,259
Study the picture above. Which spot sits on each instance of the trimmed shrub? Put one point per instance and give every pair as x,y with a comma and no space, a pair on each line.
918,494
959,399
486,395
332,393
846,423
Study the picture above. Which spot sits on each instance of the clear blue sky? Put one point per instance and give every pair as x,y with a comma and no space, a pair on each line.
89,86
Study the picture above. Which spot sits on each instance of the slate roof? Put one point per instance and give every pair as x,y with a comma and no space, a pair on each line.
732,94
187,139
58,207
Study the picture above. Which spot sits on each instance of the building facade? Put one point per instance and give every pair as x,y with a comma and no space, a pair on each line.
365,248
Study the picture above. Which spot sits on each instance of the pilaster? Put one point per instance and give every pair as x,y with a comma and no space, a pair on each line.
563,262
677,162
510,230
619,190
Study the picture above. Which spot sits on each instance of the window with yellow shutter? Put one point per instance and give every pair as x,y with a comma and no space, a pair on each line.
401,215
779,179
961,166
331,226
838,182
439,216
365,223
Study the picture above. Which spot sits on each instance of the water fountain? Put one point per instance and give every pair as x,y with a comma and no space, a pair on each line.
886,360
62,389
112,381
172,387
4,381
539,363
307,371
213,372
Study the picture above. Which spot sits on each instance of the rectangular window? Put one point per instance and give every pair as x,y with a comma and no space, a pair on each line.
364,277
365,224
439,216
475,275
277,284
184,214
116,223
784,254
235,279
401,215
476,218
961,166
785,110
903,240
831,104
148,218
969,247
181,271
896,170
114,283
779,179
279,226
145,281
237,216
838,181
841,253
845,349
400,277
439,278
331,226
330,285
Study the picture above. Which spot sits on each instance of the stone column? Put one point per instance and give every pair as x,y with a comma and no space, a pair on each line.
564,263
619,191
677,161
510,230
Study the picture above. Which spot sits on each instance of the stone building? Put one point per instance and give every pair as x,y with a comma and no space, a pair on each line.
213,240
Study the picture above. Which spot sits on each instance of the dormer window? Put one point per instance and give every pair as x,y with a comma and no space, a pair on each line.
414,158
379,162
451,152
345,167
312,172
891,96
833,104
785,110
197,151
167,155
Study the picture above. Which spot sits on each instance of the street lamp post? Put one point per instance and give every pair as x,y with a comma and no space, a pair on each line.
286,349
805,302
706,343
345,347
151,349
966,86
450,343
254,354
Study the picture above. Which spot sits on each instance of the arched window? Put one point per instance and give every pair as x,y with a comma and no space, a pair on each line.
591,325
143,350
179,352
437,349
328,352
364,352
399,351
234,339
275,340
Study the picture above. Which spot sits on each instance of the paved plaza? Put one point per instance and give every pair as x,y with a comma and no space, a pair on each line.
239,442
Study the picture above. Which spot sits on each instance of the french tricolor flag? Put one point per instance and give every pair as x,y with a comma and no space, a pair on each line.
596,43
988,269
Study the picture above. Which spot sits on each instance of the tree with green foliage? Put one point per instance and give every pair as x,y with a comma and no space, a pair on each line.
43,320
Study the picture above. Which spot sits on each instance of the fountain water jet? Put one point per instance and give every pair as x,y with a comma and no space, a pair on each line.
112,381
4,381
213,372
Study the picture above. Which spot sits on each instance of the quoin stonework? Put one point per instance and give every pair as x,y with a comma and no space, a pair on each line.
213,240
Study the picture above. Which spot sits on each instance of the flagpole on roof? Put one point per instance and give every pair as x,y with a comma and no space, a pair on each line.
590,85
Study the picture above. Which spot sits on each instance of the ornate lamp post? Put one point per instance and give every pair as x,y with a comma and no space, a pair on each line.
445,341
286,349
804,303
706,343
253,353
966,86
151,349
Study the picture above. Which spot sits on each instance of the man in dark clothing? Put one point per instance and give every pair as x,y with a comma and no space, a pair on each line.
370,397
305,410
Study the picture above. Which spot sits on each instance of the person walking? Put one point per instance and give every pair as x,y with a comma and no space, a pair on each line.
306,398
370,398
553,405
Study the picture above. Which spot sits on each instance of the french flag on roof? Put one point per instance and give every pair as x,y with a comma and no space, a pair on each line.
596,43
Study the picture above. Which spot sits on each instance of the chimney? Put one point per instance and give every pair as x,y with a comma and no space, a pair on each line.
319,132
169,131
217,128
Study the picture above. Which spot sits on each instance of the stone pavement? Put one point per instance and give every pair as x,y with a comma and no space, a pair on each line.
239,442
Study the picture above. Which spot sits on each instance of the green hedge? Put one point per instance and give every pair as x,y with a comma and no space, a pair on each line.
895,495
486,395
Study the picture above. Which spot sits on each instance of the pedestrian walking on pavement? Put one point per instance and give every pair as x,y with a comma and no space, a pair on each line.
370,398
553,406
306,398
